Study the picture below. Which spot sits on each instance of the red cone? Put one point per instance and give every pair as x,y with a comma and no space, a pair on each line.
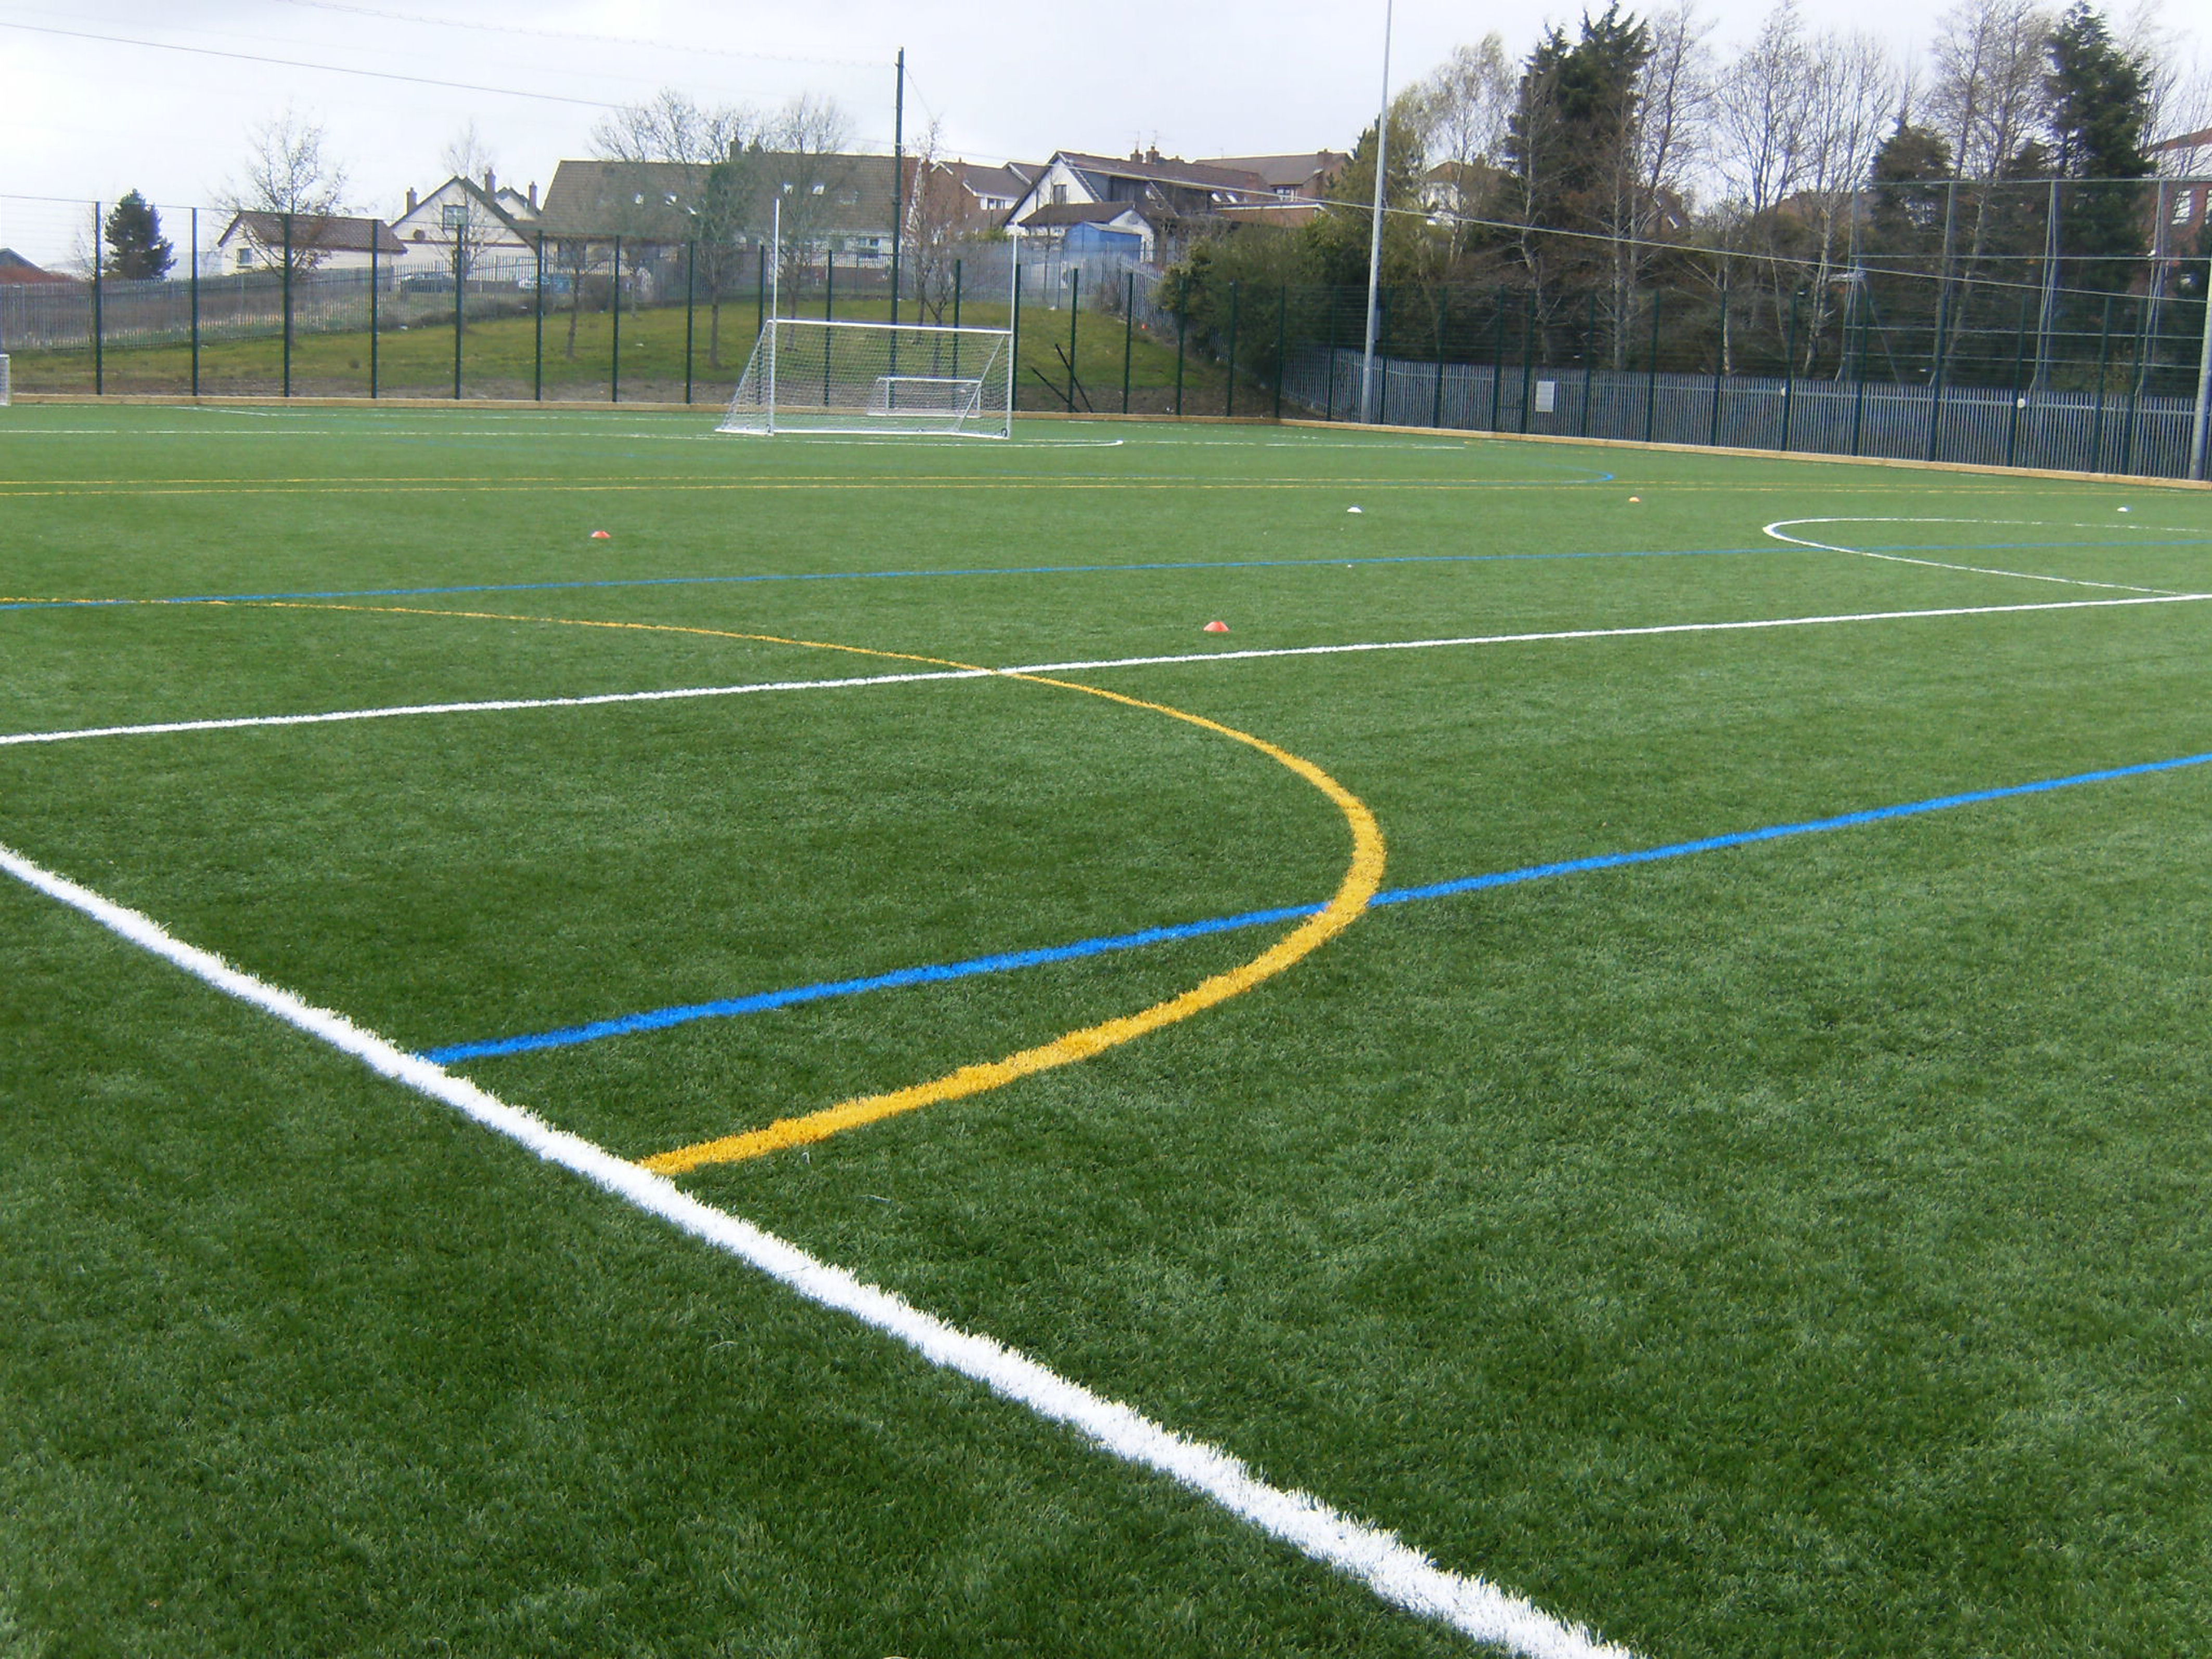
603,534
1217,628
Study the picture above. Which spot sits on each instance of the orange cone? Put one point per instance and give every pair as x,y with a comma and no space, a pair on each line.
1217,628
603,534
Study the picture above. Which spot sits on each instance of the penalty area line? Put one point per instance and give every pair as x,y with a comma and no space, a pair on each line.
1397,1573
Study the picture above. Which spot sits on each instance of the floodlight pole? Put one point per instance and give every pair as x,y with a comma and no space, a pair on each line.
1375,233
2200,465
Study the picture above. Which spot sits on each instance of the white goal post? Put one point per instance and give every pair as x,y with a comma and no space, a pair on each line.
810,375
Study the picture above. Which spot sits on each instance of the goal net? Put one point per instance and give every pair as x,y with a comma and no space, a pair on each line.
809,375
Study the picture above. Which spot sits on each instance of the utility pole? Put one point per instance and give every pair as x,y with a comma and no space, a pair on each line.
1375,233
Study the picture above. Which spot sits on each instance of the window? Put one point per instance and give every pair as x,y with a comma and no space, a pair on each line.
1060,195
455,216
421,236
817,190
245,257
2184,201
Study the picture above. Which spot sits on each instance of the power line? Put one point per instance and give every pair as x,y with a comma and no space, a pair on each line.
689,48
297,63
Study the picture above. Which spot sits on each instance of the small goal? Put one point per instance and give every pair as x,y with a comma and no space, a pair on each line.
812,375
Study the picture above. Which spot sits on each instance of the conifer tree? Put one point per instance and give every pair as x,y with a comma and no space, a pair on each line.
137,250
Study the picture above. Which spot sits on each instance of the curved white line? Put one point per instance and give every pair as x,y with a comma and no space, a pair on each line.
1399,1574
1775,528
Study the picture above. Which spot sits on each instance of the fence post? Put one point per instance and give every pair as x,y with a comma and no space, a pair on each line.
99,363
614,293
1328,392
2135,384
2019,399
957,275
1651,369
196,304
1720,362
1858,374
1436,399
1128,331
460,314
1498,360
1282,341
2104,360
537,326
760,295
691,316
2197,466
830,285
1935,371
287,275
1527,357
1789,367
1074,311
1590,365
1229,404
1181,323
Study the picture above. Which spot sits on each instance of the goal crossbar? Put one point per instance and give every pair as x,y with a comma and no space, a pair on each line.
818,375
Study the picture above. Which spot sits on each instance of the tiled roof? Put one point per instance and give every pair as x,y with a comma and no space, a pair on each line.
325,233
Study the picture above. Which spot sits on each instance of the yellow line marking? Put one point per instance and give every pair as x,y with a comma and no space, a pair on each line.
1362,879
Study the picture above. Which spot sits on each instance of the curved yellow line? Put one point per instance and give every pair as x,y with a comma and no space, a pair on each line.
1363,877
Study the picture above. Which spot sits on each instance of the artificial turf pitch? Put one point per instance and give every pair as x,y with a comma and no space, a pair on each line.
1797,1246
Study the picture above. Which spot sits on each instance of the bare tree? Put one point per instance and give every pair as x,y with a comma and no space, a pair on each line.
470,223
673,126
1985,87
1674,104
807,142
287,171
1461,110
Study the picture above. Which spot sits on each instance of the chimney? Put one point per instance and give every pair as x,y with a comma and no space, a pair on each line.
1153,155
491,184
410,198
534,195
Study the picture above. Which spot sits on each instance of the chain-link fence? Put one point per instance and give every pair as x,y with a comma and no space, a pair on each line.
1956,324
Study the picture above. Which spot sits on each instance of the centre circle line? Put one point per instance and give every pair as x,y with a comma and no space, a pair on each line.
1362,879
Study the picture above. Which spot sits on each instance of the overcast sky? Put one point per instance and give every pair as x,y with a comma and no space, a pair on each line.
90,118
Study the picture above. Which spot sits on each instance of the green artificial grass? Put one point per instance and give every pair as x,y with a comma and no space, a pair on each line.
1793,1247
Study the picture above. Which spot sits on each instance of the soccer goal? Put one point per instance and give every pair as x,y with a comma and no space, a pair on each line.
810,375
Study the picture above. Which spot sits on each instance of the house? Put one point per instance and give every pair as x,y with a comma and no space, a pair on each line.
982,198
16,271
1167,189
833,205
1303,177
1079,230
494,224
254,240
2188,202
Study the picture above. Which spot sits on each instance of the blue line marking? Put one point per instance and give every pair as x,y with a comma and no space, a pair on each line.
1056,570
660,1018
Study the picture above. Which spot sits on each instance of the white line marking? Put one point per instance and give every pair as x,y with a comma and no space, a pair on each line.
245,721
498,706
1598,634
1380,1559
1775,530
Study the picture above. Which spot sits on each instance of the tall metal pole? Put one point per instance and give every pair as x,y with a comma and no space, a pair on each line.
99,363
1375,231
2197,458
898,193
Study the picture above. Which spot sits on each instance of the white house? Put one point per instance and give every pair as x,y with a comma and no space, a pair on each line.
1164,188
494,222
318,241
